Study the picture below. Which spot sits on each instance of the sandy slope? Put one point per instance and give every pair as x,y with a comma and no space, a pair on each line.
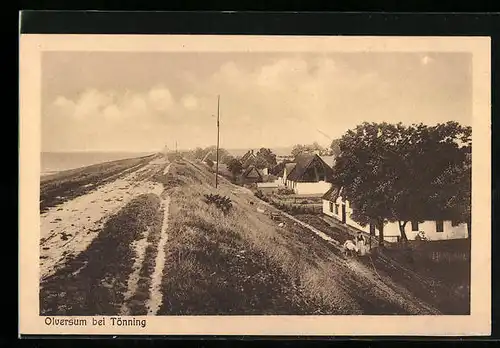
68,229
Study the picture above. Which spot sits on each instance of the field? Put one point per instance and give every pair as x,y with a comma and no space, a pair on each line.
155,245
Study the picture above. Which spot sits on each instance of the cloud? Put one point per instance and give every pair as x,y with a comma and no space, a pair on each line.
111,112
278,103
160,98
426,60
190,102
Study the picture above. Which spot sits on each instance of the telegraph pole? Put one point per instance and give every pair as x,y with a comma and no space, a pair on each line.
217,151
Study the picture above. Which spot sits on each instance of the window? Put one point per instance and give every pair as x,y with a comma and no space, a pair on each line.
455,223
439,226
336,209
414,225
331,207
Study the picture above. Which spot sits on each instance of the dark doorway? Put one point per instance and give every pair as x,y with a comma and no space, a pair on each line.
343,214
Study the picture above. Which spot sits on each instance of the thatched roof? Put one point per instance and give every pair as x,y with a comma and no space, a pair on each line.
332,194
247,156
250,170
289,167
304,162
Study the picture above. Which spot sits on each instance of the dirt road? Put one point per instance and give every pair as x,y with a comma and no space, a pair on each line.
69,228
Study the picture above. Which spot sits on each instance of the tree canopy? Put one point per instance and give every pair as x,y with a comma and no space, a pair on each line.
266,158
310,149
392,172
235,167
335,147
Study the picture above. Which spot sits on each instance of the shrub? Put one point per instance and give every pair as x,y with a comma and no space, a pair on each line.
221,202
285,191
259,194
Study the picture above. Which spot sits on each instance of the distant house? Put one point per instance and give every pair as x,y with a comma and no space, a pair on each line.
248,159
308,175
336,207
252,175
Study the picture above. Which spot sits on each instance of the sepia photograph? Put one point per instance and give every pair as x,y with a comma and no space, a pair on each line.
300,180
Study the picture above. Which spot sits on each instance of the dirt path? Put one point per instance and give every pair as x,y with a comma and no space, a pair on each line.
68,229
156,296
139,247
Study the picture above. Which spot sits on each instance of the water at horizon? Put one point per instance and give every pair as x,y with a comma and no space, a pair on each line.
58,161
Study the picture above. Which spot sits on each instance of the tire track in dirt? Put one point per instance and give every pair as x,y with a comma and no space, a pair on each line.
156,297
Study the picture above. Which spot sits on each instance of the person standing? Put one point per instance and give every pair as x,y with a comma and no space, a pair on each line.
360,241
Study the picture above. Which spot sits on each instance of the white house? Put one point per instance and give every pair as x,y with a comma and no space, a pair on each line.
336,207
308,175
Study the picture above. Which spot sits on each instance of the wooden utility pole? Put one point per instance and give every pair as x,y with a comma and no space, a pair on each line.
217,151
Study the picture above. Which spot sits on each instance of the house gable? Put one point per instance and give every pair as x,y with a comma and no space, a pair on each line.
252,173
310,168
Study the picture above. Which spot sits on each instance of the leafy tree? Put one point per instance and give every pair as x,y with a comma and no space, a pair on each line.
224,156
391,172
211,151
298,150
260,163
228,158
198,153
235,167
457,181
267,156
335,147
309,149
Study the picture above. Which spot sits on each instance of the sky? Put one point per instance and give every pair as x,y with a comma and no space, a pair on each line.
142,101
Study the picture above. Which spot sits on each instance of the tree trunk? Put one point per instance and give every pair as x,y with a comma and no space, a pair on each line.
381,234
402,225
372,232
469,228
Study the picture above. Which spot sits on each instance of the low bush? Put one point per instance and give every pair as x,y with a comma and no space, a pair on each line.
285,191
221,202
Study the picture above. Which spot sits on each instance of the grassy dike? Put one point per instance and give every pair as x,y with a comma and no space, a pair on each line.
95,281
242,263
61,187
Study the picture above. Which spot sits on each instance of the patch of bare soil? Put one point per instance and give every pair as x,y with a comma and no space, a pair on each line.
69,228
156,296
61,187
95,281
